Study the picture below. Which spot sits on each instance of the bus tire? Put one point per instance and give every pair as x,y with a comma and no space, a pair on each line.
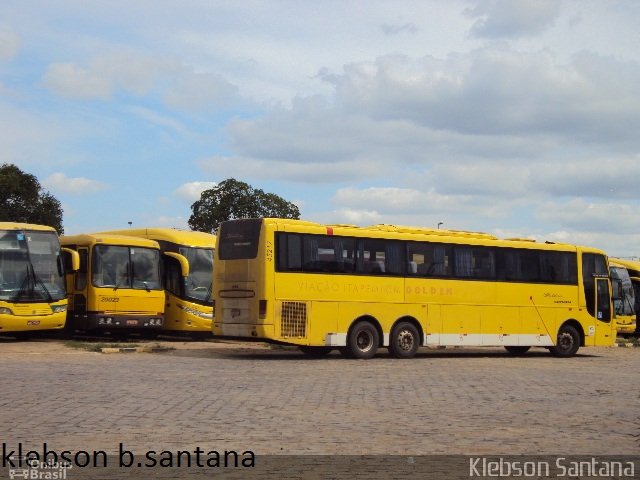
405,340
568,342
315,352
517,349
363,341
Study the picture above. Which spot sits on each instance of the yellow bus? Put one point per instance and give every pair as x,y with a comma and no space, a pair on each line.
623,298
117,285
32,288
188,265
633,269
358,289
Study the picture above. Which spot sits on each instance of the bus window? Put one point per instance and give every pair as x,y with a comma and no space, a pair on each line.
431,259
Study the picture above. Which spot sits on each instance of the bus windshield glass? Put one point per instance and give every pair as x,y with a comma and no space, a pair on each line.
623,294
126,267
198,283
30,267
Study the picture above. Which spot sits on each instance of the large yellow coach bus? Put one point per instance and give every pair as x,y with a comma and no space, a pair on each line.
32,288
187,259
117,285
623,298
633,269
359,289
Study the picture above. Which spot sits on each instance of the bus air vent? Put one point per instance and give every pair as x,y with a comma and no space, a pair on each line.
293,320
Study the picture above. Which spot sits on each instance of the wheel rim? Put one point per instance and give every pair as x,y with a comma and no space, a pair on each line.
565,342
364,341
405,340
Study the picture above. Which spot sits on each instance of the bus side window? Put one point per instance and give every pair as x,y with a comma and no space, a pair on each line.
81,274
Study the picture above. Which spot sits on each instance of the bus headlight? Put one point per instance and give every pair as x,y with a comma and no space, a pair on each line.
58,308
5,311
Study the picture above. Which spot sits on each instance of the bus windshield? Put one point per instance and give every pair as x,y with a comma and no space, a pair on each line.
126,267
198,283
30,267
623,294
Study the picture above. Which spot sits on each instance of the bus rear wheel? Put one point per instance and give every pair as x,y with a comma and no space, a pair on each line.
568,342
363,340
405,340
517,349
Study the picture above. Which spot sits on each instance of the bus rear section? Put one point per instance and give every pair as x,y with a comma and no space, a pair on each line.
117,286
242,283
32,288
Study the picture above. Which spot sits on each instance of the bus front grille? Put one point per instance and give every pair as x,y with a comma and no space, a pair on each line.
293,319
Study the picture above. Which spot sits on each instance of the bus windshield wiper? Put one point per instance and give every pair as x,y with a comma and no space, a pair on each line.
44,287
208,296
24,286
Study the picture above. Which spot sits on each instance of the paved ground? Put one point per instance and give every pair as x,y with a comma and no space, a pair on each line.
219,396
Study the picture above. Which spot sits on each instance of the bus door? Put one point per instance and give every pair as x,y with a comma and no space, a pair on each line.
604,326
78,298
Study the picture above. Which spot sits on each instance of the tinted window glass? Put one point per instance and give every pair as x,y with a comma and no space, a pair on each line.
592,264
322,253
474,262
289,252
379,256
429,259
239,239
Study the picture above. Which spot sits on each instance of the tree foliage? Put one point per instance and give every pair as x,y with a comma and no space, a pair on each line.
234,199
22,199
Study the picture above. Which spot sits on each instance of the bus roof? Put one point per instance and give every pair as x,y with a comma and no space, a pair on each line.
420,233
181,237
25,226
89,239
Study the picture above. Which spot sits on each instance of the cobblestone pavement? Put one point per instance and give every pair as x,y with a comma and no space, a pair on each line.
275,401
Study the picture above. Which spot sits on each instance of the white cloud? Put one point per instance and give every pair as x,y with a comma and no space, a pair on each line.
191,191
581,215
513,18
201,93
159,119
60,182
71,81
317,171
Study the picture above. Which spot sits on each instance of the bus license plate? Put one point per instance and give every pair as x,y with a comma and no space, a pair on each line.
132,322
33,322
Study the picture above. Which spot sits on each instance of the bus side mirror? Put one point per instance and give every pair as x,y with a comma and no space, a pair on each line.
182,260
71,260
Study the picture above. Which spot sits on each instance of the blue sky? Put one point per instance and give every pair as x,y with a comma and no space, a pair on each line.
513,117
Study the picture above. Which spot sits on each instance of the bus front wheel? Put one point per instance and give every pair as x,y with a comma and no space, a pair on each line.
568,342
363,340
405,340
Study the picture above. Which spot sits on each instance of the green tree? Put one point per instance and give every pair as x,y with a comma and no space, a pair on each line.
22,199
234,199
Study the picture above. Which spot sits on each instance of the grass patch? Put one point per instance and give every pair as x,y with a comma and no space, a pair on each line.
630,340
97,347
